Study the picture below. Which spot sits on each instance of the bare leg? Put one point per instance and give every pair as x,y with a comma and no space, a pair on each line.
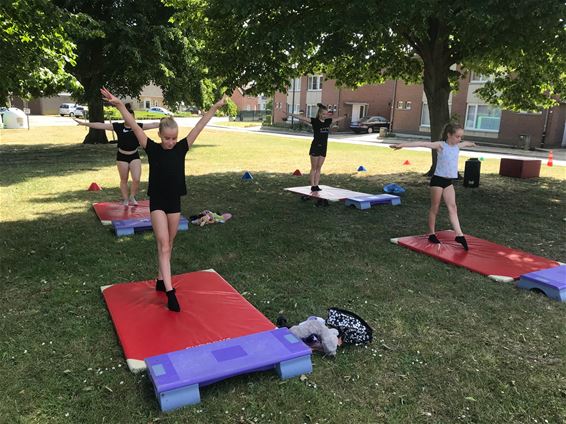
165,229
449,196
313,170
135,170
123,171
435,196
319,163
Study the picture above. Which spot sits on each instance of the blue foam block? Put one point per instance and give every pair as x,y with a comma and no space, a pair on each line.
551,281
366,202
177,376
127,227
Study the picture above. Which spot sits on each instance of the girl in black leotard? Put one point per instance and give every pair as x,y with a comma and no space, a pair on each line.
320,128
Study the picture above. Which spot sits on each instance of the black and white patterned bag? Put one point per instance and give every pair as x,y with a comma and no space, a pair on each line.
352,328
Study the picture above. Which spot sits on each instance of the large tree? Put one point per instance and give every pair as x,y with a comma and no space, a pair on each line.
35,50
360,42
124,45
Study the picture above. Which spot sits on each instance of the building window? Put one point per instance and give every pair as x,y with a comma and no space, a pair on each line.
476,77
408,105
483,118
295,84
147,104
400,105
247,107
311,111
294,111
425,116
315,83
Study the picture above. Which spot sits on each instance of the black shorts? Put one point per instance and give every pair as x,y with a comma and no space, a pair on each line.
318,149
121,157
167,204
437,181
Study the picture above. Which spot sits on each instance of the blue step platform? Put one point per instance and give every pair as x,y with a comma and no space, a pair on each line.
127,227
178,376
551,281
366,202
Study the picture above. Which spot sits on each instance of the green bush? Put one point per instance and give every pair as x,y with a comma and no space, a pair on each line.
229,109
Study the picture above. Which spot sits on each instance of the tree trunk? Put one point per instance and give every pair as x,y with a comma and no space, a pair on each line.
95,114
92,82
436,82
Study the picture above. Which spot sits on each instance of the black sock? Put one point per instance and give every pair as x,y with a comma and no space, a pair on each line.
462,241
172,302
160,285
433,239
317,188
313,188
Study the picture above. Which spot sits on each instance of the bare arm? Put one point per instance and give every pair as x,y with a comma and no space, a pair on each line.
193,134
300,118
150,125
336,120
468,144
113,100
431,145
95,125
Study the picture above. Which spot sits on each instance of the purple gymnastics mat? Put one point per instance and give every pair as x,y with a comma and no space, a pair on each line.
551,281
177,376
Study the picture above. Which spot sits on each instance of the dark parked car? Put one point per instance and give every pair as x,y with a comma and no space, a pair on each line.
369,124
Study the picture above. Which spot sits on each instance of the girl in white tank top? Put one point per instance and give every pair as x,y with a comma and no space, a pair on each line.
441,183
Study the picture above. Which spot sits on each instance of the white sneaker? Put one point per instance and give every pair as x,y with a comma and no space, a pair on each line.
125,202
133,201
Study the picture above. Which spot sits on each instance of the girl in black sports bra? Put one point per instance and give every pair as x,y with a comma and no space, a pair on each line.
127,157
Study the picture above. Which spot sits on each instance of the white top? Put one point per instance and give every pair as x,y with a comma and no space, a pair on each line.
447,163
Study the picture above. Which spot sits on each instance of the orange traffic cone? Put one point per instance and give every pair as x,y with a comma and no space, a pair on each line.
406,162
297,173
94,187
550,157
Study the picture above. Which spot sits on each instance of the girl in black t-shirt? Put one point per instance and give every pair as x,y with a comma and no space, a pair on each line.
127,157
320,128
166,184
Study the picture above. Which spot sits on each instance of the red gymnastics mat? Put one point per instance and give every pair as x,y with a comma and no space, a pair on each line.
115,211
498,262
211,310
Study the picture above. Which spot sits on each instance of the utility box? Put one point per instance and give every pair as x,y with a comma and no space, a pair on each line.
525,141
382,132
472,173
14,118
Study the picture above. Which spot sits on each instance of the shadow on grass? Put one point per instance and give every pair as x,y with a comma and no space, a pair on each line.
21,162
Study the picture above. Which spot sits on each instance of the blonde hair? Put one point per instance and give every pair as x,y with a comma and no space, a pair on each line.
167,122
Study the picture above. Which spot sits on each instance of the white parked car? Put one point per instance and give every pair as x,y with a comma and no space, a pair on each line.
81,111
70,109
160,110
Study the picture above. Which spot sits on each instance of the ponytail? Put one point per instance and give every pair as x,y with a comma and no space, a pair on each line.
129,109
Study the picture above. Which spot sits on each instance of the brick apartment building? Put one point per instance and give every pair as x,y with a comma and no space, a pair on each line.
406,107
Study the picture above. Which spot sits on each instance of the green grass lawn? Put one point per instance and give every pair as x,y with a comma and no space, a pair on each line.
450,346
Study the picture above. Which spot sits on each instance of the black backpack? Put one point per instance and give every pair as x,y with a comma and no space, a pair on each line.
352,328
